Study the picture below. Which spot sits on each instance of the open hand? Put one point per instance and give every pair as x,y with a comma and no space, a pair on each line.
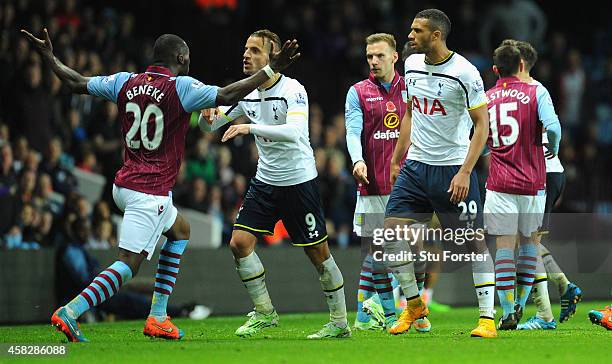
287,55
235,130
43,46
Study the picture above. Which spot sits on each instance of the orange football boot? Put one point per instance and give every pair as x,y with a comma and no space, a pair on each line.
164,330
602,318
67,325
415,309
486,328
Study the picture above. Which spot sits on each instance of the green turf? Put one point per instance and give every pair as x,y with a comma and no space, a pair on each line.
213,341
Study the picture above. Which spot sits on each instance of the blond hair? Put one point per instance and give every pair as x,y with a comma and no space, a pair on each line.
381,37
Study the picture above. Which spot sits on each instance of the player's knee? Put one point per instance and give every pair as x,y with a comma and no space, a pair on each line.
238,247
134,267
242,244
184,230
181,229
318,253
392,223
132,260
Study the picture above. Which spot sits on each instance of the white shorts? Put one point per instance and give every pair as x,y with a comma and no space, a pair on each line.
145,218
369,214
508,214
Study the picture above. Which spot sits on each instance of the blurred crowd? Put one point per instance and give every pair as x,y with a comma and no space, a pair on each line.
45,132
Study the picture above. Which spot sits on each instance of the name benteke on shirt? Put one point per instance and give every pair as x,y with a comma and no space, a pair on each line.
148,90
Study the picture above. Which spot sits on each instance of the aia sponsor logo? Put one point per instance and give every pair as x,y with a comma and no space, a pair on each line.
428,107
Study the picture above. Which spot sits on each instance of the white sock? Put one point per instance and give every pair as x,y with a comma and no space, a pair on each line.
403,270
540,292
252,273
332,284
553,271
483,274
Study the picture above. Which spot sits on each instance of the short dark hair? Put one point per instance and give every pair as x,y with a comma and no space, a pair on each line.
269,35
437,21
512,42
507,59
167,47
528,52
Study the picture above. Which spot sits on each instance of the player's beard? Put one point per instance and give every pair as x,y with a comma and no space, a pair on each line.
423,48
250,70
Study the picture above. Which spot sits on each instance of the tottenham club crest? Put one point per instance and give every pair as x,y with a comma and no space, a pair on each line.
275,108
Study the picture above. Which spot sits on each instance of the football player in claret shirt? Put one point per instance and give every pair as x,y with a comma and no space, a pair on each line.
547,268
445,99
154,110
516,195
373,110
284,188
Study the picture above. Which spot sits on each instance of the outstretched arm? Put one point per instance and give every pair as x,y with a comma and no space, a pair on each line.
212,119
296,122
76,82
232,93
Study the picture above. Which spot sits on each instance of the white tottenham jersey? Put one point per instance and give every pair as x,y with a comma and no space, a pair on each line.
441,96
553,163
285,102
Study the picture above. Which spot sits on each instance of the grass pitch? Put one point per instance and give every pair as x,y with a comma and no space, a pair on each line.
213,341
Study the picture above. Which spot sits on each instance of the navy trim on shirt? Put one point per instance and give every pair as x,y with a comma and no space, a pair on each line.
271,98
445,76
